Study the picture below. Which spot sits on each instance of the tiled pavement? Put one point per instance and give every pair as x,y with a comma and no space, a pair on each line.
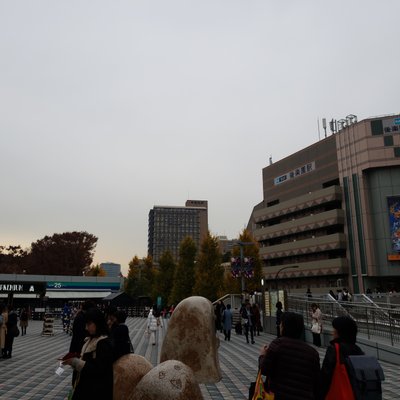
30,373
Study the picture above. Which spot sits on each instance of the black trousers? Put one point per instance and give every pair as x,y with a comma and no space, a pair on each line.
316,339
227,334
8,345
248,329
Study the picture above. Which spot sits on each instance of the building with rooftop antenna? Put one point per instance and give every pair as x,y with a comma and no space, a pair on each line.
331,211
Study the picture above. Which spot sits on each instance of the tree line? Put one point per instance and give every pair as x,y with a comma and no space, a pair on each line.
68,253
197,272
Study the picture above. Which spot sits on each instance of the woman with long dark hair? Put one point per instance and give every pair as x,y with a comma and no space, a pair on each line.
290,365
94,366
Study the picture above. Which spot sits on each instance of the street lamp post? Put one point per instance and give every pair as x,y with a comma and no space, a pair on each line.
263,301
242,244
277,274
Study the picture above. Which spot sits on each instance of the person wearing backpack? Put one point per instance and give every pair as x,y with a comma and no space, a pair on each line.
344,334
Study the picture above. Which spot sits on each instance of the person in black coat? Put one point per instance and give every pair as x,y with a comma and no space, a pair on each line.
279,313
79,332
290,365
248,322
79,327
119,334
345,334
95,366
12,330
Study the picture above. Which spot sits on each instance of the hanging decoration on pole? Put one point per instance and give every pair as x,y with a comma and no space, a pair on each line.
235,267
248,267
245,269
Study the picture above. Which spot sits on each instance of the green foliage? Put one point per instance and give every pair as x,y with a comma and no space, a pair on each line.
13,260
232,285
184,273
165,277
69,253
140,278
95,270
209,272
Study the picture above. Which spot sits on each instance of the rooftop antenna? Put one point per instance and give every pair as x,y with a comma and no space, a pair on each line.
270,160
342,123
333,126
324,124
319,133
351,119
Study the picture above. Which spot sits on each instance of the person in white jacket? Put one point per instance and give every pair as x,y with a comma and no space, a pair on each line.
152,325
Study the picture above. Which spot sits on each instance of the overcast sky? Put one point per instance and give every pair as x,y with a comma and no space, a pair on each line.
108,108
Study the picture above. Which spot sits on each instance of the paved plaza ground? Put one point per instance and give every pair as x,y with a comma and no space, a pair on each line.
30,373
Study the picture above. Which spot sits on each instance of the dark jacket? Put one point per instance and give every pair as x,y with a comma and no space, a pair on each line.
292,368
12,320
120,341
78,333
279,313
329,363
245,315
95,380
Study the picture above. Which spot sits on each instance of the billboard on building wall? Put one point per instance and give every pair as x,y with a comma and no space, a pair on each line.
394,221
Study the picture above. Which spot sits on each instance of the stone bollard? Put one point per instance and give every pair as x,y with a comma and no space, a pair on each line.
128,371
191,339
170,380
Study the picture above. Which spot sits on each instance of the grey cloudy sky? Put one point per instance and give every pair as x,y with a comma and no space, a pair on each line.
110,107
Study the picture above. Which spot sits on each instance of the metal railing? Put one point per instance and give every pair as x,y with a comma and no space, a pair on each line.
373,320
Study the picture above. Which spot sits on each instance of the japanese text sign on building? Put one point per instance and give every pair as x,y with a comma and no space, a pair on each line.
304,169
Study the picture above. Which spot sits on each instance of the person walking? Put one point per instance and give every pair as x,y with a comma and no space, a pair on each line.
94,368
248,322
279,313
345,335
316,327
3,328
12,332
23,321
256,319
219,308
152,324
227,320
66,318
291,365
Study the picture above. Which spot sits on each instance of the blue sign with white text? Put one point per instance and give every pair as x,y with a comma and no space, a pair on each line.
397,121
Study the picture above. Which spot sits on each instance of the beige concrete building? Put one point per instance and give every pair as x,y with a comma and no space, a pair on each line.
330,216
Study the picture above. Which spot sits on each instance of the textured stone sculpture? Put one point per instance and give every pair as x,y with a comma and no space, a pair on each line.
128,371
191,339
170,380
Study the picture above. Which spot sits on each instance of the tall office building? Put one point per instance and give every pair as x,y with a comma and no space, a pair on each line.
111,269
169,225
330,216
